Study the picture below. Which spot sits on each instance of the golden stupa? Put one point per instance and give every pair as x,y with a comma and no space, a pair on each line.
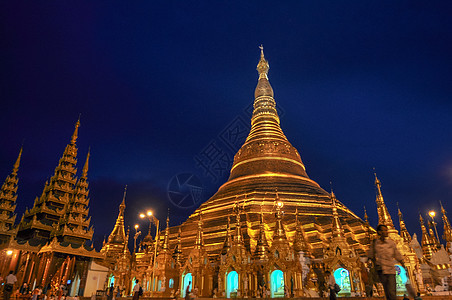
266,168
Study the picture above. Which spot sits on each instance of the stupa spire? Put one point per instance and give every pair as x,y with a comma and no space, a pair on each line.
279,236
366,219
118,234
432,235
177,253
261,251
238,239
336,228
300,243
383,214
199,240
228,241
447,234
165,246
403,231
427,242
126,244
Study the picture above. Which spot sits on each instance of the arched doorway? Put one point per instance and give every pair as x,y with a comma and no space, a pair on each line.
186,282
232,284
277,284
133,285
401,279
342,277
111,280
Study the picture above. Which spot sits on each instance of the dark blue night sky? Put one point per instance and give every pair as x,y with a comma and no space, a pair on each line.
359,84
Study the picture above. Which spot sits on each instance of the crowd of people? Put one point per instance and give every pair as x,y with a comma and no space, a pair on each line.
27,292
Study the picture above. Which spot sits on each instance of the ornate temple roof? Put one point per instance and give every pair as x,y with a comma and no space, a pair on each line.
8,197
62,209
117,241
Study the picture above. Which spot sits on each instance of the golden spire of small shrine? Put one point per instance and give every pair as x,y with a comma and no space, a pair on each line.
238,239
177,253
199,240
403,231
165,246
261,251
383,214
118,235
447,234
228,241
126,244
427,243
300,242
432,235
336,228
366,219
279,236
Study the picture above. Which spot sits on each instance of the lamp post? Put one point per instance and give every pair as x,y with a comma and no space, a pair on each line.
137,234
432,214
153,219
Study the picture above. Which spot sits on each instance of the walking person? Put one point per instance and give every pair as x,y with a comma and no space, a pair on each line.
10,280
136,290
331,285
187,291
110,291
383,252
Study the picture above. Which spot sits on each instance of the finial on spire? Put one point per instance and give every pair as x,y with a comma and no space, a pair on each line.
332,192
85,167
366,218
123,203
75,134
263,66
17,163
377,182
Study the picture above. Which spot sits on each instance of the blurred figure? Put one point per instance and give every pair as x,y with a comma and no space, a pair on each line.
136,290
10,280
331,285
383,252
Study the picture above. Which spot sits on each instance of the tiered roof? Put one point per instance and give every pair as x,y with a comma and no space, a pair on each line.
61,211
8,197
74,225
117,241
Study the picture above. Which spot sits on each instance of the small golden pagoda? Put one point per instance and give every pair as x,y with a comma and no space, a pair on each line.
116,253
447,232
